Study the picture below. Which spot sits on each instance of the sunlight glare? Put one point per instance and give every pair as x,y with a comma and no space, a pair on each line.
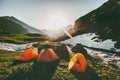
57,21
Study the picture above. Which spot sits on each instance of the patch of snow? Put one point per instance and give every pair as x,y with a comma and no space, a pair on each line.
87,40
14,47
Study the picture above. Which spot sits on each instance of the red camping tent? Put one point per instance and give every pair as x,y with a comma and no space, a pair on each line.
47,55
28,55
78,63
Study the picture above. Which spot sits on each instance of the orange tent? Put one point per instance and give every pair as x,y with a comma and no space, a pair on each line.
78,63
28,55
47,55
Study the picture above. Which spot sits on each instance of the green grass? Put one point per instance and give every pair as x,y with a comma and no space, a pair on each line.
47,43
22,38
7,58
57,70
15,38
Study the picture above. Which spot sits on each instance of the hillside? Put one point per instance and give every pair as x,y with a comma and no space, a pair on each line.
7,26
24,25
103,21
13,25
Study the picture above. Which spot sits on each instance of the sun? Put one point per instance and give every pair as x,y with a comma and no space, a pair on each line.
57,21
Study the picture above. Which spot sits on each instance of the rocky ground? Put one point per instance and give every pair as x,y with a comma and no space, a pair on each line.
105,57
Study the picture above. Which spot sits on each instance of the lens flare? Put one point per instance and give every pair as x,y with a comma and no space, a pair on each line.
67,33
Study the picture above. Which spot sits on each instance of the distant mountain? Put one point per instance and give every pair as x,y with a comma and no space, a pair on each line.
8,26
68,27
24,25
56,33
104,21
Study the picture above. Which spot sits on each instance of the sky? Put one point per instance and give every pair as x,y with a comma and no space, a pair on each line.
48,13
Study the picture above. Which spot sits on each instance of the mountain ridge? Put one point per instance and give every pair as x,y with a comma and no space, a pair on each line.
24,25
10,24
7,26
104,21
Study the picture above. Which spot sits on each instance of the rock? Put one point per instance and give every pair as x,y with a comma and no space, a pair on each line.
78,48
97,58
113,64
118,63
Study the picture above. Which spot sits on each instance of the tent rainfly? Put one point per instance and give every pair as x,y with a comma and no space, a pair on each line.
78,63
47,55
28,55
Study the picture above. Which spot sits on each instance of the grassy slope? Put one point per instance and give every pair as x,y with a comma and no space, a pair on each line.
22,38
11,27
58,70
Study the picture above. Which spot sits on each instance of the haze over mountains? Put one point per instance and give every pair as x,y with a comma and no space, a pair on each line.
56,32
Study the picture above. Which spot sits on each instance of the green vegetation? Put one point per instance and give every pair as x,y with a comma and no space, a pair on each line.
11,27
58,70
44,43
47,43
14,38
6,59
22,38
